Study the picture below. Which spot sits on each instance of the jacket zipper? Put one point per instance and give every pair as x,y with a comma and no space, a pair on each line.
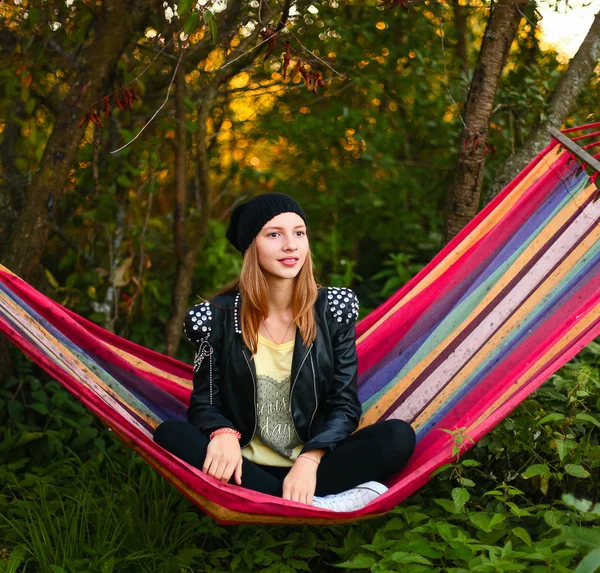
316,399
254,384
292,390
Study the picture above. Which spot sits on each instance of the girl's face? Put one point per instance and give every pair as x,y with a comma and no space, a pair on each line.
283,237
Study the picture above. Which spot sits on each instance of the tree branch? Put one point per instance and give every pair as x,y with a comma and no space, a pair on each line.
570,85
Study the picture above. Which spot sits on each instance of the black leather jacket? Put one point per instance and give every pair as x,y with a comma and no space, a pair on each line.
324,399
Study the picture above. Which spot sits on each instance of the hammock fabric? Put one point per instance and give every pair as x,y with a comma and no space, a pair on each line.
507,302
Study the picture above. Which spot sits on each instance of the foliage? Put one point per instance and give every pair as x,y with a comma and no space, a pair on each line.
75,499
369,156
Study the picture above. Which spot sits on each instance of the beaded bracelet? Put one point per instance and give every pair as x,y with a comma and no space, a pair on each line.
225,431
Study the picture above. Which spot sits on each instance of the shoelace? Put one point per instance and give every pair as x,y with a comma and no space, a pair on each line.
341,503
341,498
352,492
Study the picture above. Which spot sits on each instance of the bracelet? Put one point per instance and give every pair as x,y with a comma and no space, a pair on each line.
307,458
225,431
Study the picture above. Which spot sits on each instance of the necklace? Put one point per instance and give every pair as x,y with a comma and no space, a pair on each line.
272,337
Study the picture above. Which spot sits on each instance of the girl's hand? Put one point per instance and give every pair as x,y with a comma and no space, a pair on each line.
301,481
224,458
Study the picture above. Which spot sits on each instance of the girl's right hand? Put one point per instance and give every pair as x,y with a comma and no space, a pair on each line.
224,458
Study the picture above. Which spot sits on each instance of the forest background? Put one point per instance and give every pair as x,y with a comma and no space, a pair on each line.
129,133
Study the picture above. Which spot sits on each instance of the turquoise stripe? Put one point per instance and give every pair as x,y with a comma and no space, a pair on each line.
464,309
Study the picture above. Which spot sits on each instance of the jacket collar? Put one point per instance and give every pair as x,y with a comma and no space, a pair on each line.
300,350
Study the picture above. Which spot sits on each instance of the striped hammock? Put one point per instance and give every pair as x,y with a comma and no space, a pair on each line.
506,303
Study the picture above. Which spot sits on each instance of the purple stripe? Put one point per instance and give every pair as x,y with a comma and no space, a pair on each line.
414,338
159,401
484,314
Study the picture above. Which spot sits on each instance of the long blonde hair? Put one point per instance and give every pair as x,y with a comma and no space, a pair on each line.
254,291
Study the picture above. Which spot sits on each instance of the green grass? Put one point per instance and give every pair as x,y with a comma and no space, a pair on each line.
74,499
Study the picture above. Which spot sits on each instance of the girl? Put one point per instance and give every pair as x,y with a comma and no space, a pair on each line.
274,407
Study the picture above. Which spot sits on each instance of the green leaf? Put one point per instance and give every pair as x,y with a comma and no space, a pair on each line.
522,535
208,16
404,557
485,522
516,510
41,408
86,434
460,496
445,531
213,31
30,105
554,417
589,563
361,561
446,504
184,6
108,565
124,181
494,492
191,24
16,556
587,418
27,437
576,471
15,411
554,518
497,518
579,535
562,446
439,470
424,547
34,15
536,470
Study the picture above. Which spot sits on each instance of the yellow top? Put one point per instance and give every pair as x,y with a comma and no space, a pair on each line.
275,442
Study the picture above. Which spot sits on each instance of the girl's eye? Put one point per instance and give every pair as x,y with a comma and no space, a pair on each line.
277,232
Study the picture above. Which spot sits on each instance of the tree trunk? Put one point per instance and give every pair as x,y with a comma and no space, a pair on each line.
23,240
12,192
191,226
570,85
463,197
184,255
23,249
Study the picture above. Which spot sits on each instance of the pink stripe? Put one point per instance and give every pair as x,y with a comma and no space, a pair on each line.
581,127
511,301
499,379
376,314
229,496
55,314
379,344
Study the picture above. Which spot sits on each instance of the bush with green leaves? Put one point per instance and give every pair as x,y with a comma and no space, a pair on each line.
74,499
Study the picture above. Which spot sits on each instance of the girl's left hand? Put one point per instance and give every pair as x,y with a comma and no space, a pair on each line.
301,481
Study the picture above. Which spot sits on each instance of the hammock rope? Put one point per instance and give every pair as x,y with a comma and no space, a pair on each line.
513,297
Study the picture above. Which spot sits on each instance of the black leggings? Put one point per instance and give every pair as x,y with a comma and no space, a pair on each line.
374,452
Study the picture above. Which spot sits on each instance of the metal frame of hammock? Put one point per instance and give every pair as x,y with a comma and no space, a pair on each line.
508,301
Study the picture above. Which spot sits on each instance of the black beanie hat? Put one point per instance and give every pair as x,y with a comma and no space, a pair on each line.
248,218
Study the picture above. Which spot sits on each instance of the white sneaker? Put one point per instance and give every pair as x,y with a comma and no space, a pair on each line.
352,499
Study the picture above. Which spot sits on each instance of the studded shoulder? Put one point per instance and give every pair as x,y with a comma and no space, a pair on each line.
343,304
198,322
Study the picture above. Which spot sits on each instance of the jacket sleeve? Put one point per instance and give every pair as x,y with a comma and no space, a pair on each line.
206,410
342,405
